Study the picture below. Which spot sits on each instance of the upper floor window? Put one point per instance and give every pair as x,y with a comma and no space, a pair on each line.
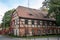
30,14
48,23
38,22
13,22
17,21
32,22
14,14
26,21
43,22
54,24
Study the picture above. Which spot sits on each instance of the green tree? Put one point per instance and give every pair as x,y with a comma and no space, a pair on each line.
7,18
54,7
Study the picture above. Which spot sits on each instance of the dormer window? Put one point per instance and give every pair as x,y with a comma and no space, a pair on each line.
30,14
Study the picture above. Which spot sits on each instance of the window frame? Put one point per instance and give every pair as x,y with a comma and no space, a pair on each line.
38,22
32,22
26,21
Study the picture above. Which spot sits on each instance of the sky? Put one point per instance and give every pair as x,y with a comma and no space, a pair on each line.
6,5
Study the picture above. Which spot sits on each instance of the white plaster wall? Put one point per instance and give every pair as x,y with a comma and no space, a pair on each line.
16,32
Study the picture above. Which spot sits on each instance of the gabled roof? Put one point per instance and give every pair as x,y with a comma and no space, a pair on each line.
31,13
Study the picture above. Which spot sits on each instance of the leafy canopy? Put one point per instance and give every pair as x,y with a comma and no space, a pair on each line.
54,6
7,18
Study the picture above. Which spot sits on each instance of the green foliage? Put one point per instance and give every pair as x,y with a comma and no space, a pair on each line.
54,6
7,18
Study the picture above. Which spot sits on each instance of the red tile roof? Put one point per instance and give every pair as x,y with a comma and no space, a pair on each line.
31,13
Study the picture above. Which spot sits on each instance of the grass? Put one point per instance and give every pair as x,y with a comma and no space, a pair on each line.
42,36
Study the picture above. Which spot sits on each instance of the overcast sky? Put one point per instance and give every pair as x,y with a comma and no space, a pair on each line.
10,4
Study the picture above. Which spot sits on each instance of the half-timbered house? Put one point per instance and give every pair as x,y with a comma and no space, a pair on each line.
27,22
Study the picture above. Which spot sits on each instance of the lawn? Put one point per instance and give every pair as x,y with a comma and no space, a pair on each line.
42,36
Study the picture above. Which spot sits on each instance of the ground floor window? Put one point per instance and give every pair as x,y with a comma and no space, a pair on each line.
39,32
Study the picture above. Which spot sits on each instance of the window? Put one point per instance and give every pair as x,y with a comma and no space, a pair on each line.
26,21
38,22
26,31
48,23
14,14
54,24
43,23
16,21
13,22
30,14
39,32
32,22
48,31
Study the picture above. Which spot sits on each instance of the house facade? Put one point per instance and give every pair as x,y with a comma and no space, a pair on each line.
28,22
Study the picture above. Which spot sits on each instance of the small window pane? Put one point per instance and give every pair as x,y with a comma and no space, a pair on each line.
32,22
26,21
38,22
43,23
